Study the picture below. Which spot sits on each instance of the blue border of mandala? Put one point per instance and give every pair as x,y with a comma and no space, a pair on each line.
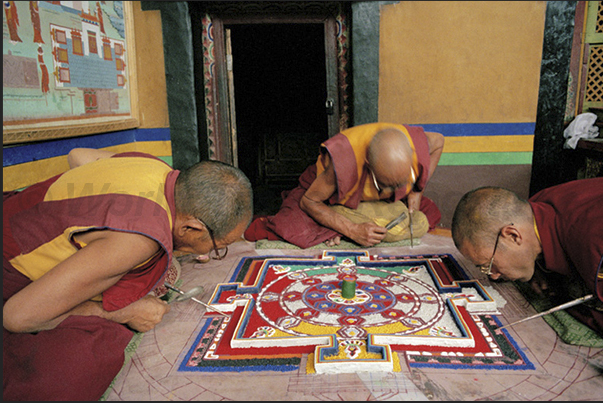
292,367
528,364
228,368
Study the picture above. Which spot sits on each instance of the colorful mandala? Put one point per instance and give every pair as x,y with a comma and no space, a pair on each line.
283,308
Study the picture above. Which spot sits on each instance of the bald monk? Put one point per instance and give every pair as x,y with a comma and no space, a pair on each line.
82,252
553,241
372,162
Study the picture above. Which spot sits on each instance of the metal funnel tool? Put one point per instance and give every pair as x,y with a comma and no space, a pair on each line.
396,221
190,295
193,292
577,301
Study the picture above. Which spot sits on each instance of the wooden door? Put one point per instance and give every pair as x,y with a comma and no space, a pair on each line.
213,86
275,148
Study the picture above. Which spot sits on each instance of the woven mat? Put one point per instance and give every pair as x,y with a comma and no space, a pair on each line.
568,328
266,244
128,353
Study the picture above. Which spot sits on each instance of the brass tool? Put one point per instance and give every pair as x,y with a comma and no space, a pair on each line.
396,221
555,309
171,287
412,244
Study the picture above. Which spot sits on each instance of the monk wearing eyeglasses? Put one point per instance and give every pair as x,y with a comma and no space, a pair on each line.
83,252
553,241
376,162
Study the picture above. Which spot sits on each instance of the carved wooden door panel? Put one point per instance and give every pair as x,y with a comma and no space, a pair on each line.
216,17
275,86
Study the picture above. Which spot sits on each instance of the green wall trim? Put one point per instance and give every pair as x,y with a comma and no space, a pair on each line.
179,78
365,61
549,165
510,158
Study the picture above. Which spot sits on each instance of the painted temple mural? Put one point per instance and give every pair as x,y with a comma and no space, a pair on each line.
64,61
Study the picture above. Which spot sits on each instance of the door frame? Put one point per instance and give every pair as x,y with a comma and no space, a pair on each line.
333,15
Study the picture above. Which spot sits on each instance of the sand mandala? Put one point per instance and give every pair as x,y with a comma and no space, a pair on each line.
348,311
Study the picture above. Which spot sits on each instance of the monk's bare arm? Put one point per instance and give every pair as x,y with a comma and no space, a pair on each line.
67,289
312,202
81,156
436,146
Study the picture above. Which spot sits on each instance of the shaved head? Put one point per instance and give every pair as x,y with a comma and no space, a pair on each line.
390,156
481,213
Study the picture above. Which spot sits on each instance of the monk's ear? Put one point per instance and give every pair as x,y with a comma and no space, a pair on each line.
512,232
185,224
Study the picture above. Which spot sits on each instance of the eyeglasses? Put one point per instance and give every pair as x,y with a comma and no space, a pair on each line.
487,269
413,179
216,254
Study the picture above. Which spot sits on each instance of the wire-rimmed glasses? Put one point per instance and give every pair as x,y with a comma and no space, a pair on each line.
413,179
216,253
487,269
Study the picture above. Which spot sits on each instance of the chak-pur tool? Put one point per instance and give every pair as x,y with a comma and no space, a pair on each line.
396,221
184,296
191,295
555,309
412,241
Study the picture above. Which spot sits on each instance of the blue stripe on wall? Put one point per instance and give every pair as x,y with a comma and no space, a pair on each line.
162,134
56,148
34,152
481,129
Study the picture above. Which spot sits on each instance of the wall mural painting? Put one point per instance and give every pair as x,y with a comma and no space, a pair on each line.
65,64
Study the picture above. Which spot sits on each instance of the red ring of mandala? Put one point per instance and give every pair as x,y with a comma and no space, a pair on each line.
415,309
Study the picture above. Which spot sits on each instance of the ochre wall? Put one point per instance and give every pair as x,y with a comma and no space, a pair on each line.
26,164
460,62
471,71
152,96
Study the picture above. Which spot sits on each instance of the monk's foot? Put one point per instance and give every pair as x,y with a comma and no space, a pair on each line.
333,241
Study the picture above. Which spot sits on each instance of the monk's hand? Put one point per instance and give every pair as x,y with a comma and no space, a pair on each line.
548,285
144,314
414,201
368,233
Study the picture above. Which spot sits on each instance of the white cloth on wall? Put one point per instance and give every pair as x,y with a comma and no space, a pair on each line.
582,127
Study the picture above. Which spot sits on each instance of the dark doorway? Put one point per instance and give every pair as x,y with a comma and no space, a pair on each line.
280,92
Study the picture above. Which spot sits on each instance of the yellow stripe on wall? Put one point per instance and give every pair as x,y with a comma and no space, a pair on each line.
23,175
489,144
156,148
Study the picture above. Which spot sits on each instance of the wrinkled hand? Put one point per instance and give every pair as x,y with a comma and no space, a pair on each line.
144,314
368,233
414,201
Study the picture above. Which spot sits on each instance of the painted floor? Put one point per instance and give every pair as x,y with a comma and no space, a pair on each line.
562,371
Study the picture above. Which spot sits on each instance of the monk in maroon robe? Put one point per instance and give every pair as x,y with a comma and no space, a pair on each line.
82,252
372,162
554,240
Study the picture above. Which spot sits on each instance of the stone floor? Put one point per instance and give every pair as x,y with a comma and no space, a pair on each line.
562,371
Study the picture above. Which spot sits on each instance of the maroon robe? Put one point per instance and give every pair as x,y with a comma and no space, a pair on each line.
293,225
569,218
79,358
